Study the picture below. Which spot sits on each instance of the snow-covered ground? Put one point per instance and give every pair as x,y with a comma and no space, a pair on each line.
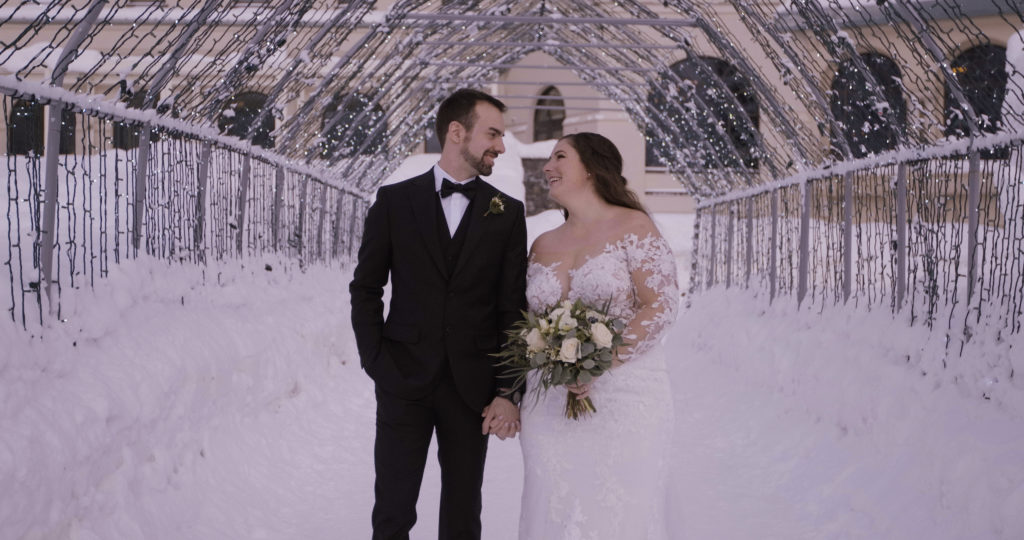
226,402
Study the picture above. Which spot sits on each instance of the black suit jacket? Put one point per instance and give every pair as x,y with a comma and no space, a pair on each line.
438,316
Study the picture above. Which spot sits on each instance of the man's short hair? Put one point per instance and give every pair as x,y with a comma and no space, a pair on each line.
458,107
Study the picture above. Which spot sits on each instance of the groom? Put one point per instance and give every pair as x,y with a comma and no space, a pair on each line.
455,250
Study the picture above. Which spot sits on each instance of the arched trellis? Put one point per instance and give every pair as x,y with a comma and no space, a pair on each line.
384,66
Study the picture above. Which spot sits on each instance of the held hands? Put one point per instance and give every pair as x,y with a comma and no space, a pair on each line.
501,418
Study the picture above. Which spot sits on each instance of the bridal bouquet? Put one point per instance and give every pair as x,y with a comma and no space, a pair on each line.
571,343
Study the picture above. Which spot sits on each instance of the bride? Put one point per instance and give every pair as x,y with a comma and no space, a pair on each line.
603,476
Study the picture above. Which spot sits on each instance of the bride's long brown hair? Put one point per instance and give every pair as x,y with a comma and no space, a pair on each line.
603,161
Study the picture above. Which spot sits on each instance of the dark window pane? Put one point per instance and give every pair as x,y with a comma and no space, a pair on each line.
356,130
715,132
67,131
981,73
863,120
126,134
25,130
239,115
549,115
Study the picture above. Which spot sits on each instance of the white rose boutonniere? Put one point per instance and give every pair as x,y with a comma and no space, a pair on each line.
602,335
496,206
570,351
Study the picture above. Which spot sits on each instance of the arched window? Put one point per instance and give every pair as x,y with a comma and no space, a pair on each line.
714,132
126,134
25,129
239,114
347,136
981,73
863,120
549,115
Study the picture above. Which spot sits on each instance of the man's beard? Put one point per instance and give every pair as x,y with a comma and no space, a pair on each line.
477,163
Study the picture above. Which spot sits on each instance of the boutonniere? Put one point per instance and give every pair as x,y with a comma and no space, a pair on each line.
497,206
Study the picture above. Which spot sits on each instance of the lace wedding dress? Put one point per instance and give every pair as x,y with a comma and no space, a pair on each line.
604,476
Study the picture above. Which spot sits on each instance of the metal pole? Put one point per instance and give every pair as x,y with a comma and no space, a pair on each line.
203,181
243,196
847,235
170,66
300,228
47,229
750,241
320,222
353,220
713,254
475,82
805,236
514,19
695,254
773,270
547,45
141,176
497,65
51,152
973,201
275,216
901,234
730,245
339,210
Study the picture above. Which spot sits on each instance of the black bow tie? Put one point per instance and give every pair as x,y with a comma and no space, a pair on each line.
466,188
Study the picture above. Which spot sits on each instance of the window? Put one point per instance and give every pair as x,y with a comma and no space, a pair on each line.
349,134
68,122
981,72
714,132
126,134
240,112
25,129
869,126
549,115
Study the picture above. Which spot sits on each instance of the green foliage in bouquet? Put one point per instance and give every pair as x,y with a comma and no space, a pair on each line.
571,343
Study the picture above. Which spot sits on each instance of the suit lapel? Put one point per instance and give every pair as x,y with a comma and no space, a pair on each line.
425,209
476,209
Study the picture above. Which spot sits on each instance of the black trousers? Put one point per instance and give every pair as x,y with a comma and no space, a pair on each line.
404,429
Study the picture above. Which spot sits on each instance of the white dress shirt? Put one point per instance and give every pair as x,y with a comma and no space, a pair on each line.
454,205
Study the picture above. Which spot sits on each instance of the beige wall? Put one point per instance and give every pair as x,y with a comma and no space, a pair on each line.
613,123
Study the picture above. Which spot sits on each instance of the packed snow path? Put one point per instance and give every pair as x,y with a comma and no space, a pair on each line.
227,402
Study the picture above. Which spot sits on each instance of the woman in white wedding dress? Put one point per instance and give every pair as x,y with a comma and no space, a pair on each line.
603,476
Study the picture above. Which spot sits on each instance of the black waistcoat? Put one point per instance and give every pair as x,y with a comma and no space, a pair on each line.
451,246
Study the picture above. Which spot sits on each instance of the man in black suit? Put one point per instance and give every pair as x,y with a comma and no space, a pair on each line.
455,249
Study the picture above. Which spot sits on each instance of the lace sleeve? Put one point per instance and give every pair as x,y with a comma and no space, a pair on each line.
652,269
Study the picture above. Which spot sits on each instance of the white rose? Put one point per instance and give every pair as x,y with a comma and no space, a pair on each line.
567,322
543,324
602,335
595,316
570,351
555,315
535,341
